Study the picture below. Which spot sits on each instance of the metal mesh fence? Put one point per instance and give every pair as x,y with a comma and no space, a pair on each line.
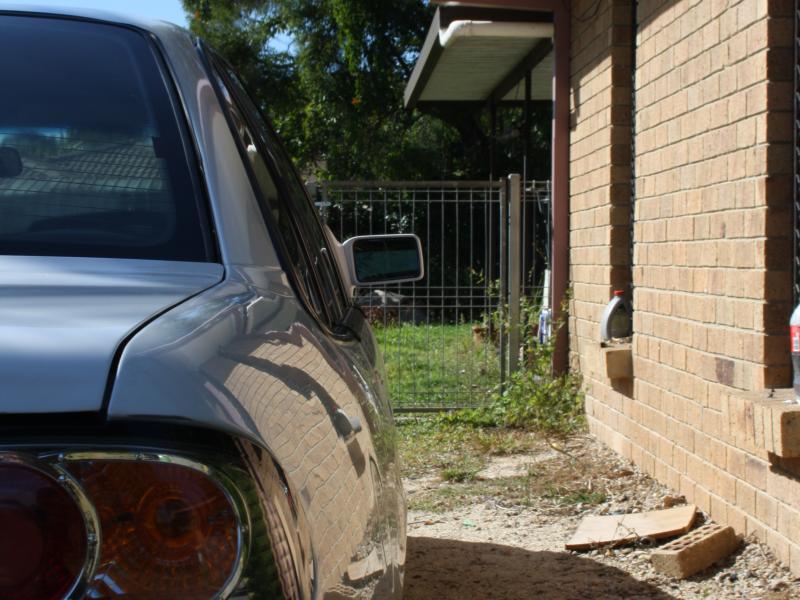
439,338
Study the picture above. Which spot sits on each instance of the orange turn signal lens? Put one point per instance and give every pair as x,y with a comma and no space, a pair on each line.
168,530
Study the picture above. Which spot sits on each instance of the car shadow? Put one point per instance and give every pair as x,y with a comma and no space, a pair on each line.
442,569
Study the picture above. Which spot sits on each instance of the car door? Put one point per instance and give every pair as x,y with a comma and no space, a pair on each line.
341,334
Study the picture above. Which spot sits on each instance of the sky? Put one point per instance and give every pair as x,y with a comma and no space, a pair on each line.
167,10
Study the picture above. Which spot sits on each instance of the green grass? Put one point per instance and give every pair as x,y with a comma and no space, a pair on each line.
437,365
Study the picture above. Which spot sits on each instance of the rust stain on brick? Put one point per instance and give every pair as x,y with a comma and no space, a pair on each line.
724,370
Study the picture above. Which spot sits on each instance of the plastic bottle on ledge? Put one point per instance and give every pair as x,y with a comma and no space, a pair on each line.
617,318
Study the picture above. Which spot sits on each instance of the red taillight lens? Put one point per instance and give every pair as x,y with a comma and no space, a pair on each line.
169,531
43,535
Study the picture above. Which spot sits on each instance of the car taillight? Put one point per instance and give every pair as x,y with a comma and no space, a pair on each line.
168,530
45,539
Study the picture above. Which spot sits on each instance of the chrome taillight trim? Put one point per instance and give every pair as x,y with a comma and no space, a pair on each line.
91,520
56,465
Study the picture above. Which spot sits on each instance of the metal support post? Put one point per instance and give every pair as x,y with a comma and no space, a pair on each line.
514,270
503,282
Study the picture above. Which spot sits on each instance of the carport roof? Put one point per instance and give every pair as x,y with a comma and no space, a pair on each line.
479,55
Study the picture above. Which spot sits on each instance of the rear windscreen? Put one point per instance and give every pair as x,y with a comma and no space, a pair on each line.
91,156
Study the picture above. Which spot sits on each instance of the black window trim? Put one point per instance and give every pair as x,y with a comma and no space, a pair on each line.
191,151
190,147
271,161
326,321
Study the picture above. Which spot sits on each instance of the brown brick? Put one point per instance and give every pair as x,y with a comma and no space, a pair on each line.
788,522
786,430
756,472
767,509
745,497
784,487
736,462
695,551
712,236
618,362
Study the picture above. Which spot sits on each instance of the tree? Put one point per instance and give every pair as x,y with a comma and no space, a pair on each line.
336,95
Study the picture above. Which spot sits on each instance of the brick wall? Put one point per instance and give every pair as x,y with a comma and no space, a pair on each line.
712,257
600,190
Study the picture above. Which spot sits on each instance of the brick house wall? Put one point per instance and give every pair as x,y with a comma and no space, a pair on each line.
712,257
600,191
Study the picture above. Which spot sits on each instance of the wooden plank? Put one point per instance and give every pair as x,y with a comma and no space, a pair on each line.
615,530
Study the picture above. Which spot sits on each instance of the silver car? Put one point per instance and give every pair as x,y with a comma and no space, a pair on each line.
191,406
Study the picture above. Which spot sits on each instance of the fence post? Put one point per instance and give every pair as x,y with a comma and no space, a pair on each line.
514,270
503,281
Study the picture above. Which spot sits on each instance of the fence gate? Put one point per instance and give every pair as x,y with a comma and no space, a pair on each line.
445,338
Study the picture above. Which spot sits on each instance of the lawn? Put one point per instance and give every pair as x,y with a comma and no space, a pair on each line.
437,366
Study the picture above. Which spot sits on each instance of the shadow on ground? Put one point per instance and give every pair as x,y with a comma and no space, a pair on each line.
440,569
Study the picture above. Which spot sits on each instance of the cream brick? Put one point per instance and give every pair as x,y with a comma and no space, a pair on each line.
707,150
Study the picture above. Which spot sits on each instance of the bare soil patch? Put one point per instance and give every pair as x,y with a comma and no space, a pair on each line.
498,529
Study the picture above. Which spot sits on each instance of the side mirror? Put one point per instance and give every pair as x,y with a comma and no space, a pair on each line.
381,259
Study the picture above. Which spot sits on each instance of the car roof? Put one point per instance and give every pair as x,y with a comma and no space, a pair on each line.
155,26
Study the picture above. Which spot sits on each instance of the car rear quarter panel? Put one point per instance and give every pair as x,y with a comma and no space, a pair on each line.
248,360
245,357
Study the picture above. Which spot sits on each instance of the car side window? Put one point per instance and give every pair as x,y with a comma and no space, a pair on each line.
307,251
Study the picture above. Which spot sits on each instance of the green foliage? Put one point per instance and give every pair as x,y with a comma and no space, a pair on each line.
335,92
534,396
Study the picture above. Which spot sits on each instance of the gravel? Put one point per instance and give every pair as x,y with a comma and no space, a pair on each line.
494,549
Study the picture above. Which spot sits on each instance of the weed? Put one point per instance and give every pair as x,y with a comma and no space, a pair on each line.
497,442
459,473
457,452
580,496
533,396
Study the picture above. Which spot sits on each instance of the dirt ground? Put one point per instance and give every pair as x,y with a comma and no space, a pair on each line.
486,523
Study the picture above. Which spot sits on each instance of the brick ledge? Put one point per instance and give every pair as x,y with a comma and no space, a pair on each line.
776,420
618,361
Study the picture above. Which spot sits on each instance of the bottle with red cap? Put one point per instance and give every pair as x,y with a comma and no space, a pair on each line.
616,321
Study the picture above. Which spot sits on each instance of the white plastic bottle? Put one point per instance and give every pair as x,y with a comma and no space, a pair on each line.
616,320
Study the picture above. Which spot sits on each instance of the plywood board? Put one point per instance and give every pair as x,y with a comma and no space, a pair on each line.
621,529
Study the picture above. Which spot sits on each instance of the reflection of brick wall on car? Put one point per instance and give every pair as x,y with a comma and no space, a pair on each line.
288,387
